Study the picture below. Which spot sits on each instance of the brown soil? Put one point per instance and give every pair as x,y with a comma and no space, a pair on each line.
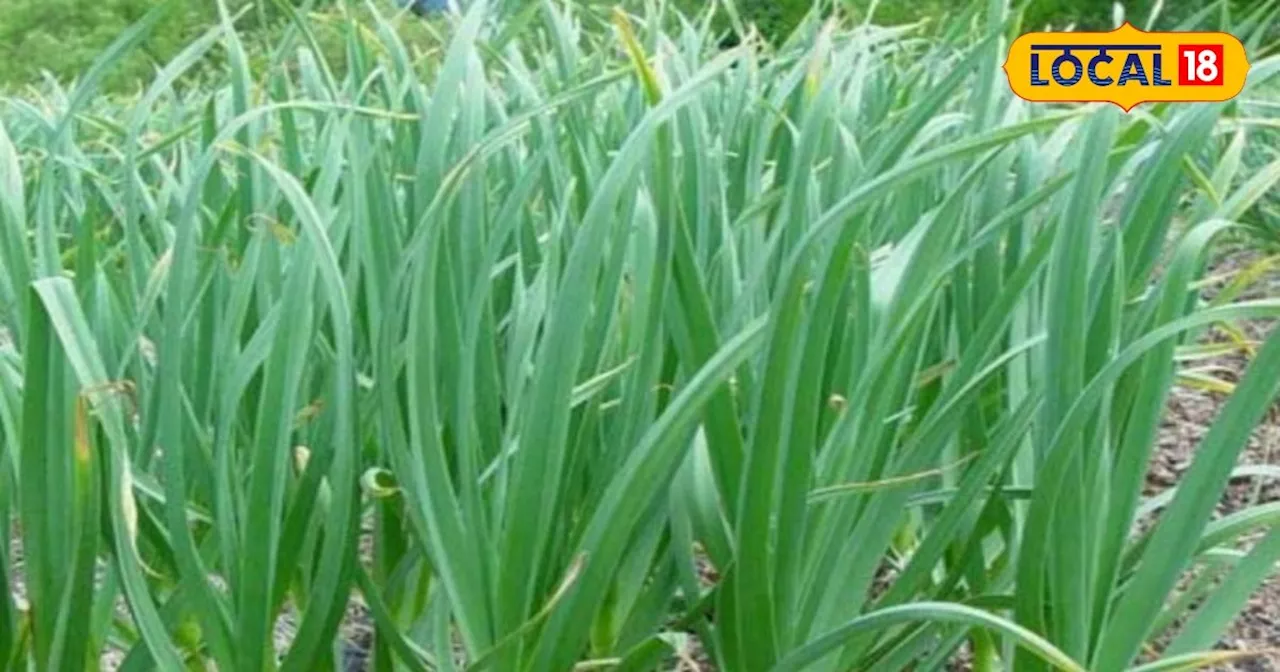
1190,413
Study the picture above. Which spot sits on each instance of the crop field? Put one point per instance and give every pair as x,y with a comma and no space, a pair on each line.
552,336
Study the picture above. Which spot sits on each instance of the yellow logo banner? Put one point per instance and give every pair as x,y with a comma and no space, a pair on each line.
1126,66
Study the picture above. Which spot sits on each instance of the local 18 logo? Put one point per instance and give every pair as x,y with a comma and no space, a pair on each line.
1126,66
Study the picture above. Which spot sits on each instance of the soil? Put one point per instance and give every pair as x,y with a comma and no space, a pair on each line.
1189,414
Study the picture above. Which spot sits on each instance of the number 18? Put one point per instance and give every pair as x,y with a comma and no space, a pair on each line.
1200,64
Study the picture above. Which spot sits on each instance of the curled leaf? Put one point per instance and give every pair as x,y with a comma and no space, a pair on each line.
379,483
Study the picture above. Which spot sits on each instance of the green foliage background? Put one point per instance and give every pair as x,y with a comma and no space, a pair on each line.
62,37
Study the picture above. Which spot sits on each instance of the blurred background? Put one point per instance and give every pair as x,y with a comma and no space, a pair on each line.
59,38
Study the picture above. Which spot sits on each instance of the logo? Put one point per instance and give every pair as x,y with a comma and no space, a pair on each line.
1126,66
